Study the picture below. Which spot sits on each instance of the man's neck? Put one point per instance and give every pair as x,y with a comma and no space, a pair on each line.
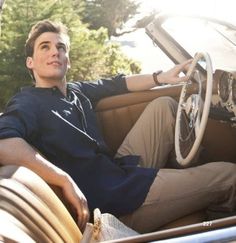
61,85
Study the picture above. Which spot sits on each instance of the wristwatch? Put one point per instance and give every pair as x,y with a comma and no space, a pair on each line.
154,75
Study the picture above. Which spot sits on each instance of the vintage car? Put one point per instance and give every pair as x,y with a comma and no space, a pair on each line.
30,211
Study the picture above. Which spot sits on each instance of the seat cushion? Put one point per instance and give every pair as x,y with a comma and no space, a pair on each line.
30,200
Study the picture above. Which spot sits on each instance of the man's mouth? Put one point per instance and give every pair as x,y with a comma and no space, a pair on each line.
55,63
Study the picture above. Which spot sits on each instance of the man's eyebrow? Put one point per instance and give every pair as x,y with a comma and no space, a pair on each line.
64,45
44,42
48,42
61,44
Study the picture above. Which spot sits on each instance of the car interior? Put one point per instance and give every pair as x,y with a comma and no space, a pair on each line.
36,212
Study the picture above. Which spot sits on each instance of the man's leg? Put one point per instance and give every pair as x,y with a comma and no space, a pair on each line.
179,192
174,193
152,136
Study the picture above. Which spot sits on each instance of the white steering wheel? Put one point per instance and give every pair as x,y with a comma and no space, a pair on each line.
192,113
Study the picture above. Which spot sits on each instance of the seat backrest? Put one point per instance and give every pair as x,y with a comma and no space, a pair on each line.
117,114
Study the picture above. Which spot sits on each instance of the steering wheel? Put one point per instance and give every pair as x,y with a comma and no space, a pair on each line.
193,111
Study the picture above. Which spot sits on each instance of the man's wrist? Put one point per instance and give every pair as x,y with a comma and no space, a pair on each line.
155,77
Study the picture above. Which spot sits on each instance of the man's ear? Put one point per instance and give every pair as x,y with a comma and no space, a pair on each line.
29,62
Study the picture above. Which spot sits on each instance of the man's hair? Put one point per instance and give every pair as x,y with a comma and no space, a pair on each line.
40,28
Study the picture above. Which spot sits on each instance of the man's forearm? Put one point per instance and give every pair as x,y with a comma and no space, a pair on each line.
140,82
18,152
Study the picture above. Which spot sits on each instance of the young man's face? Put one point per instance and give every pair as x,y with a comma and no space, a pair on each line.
50,60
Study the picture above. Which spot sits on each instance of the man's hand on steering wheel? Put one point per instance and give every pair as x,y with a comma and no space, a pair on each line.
172,76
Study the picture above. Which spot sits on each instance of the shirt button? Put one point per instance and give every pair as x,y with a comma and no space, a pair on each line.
54,88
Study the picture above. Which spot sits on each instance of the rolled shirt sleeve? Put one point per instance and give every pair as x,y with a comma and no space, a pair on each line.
19,119
96,90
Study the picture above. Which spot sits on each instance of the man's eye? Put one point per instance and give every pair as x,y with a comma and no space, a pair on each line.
62,48
44,47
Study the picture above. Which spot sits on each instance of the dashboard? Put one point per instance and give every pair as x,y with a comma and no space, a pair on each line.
224,96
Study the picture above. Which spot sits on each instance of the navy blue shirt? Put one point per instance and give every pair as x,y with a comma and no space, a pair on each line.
65,131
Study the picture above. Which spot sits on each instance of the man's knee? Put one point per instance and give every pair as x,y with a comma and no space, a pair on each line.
165,105
165,101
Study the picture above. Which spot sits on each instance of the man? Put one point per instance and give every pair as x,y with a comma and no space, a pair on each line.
52,128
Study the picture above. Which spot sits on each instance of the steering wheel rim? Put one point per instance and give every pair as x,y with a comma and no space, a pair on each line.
202,110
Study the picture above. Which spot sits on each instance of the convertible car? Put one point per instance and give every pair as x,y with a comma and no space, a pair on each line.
32,211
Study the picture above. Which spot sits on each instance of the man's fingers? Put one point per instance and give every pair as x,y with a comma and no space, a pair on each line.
181,67
184,65
182,79
83,215
78,202
189,61
82,220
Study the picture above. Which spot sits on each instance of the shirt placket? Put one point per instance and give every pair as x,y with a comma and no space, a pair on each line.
77,104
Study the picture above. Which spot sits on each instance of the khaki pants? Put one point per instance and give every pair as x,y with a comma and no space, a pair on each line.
174,192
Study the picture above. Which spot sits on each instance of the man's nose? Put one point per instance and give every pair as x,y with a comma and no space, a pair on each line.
55,51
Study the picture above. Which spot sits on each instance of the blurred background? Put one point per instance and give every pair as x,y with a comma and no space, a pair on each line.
107,36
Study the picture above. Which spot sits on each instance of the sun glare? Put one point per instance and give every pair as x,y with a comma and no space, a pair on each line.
139,46
212,8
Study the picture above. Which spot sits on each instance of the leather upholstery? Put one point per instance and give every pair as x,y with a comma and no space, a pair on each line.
29,200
